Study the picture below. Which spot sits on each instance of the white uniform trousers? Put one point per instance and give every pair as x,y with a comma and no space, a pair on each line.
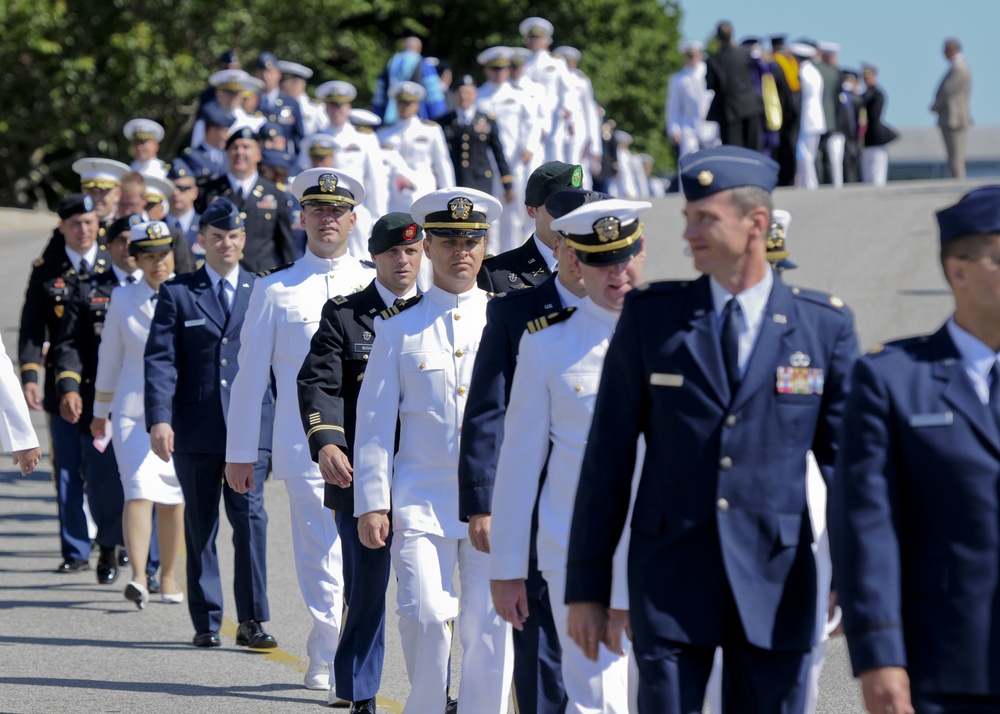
835,151
427,603
805,160
318,564
874,165
600,687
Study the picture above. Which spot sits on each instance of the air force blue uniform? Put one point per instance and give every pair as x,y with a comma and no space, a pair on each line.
191,362
721,539
538,685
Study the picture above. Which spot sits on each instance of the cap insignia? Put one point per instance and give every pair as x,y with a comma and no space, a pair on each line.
607,229
460,208
88,204
705,178
577,178
411,232
154,231
776,237
328,183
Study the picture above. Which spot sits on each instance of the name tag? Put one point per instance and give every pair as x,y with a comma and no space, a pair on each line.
361,347
661,379
941,419
194,323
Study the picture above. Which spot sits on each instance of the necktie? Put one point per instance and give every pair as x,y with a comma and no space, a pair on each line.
731,318
239,194
84,269
995,392
397,302
224,298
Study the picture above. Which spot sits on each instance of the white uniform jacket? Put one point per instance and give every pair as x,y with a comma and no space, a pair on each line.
420,370
424,149
120,382
812,121
16,432
283,314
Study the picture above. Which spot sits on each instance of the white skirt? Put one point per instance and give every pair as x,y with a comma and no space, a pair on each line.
144,475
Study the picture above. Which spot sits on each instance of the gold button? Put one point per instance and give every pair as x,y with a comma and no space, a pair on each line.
330,274
722,504
465,146
578,388
465,154
422,365
731,420
465,164
364,357
267,216
461,391
459,353
725,463
457,316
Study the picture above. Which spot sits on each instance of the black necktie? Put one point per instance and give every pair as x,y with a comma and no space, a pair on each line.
223,298
994,404
84,269
731,317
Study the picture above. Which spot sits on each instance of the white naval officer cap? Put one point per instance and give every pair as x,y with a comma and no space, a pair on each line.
571,54
536,27
294,68
604,232
827,46
623,137
143,130
801,49
869,67
100,173
456,212
407,92
692,46
519,55
328,186
319,145
229,80
364,117
498,57
336,92
158,189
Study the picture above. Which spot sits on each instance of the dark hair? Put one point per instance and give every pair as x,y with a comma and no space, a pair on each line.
724,32
966,246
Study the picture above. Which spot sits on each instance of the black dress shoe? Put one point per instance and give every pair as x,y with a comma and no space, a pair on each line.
207,639
451,707
365,707
73,565
152,584
251,634
122,558
107,565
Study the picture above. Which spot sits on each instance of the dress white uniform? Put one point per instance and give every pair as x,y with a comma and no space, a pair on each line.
517,119
548,420
553,74
583,135
688,100
16,432
358,153
283,314
812,125
420,370
152,167
314,116
120,391
422,146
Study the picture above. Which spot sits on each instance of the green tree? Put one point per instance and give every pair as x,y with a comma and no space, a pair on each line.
74,72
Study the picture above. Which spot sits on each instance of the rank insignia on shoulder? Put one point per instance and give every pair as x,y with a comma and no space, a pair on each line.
271,271
339,300
799,380
836,301
876,349
540,323
396,309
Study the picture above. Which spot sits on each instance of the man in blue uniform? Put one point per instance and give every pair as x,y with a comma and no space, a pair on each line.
278,107
191,362
913,510
732,379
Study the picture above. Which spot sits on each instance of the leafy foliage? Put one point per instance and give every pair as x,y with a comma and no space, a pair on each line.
74,72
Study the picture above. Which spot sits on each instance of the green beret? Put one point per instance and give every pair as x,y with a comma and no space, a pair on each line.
393,229
549,178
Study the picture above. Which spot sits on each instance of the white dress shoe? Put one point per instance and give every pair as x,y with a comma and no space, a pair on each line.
317,676
172,598
332,700
137,593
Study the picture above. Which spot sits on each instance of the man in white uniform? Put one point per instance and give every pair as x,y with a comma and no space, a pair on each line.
552,73
17,436
293,83
283,314
812,122
355,151
583,135
422,146
688,100
547,422
420,371
144,136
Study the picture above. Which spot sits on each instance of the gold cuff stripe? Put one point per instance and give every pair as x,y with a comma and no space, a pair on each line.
31,367
68,375
324,427
615,245
457,226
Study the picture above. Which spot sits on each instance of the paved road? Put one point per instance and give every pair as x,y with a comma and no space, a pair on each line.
67,642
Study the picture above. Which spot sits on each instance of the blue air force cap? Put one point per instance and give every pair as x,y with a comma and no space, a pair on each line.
179,168
978,211
222,213
709,171
215,115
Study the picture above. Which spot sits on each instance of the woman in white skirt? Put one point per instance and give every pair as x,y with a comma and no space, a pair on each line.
146,480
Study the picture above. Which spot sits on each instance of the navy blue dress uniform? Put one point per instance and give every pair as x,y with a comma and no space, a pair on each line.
54,281
472,138
913,510
208,162
538,683
267,210
721,538
328,387
191,361
281,109
524,266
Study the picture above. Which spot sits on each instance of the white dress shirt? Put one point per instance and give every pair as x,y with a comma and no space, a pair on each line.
977,358
75,258
246,185
753,302
546,252
389,297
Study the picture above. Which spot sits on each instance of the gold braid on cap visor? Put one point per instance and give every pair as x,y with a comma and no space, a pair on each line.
605,247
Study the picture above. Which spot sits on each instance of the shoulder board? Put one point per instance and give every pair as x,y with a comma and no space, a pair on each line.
396,309
364,129
428,122
815,296
338,300
491,116
540,323
489,256
271,271
367,263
